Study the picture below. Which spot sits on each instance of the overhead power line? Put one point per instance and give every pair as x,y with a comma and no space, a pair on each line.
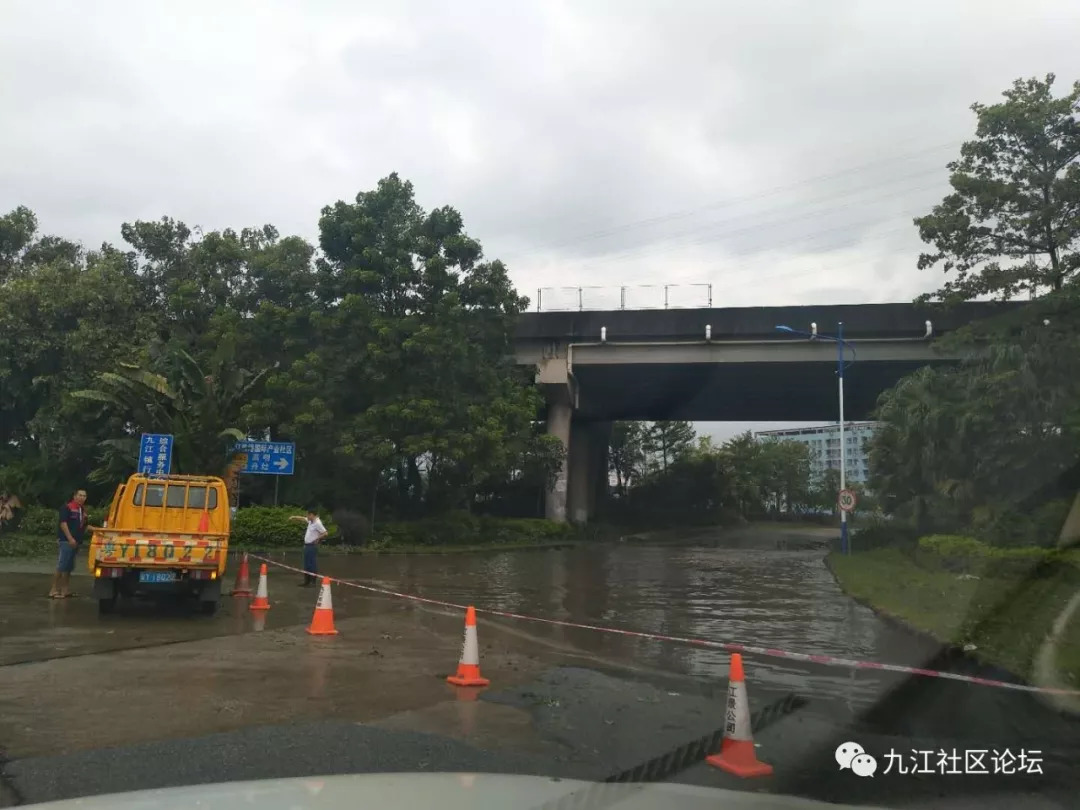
719,205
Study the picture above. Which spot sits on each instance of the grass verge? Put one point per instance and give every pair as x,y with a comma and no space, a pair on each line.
1068,653
1007,619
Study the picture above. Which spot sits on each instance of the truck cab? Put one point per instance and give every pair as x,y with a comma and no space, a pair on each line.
165,534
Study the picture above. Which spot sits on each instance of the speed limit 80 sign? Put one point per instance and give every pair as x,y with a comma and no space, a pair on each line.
846,500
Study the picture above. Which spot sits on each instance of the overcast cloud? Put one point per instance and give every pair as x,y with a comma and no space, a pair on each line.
777,150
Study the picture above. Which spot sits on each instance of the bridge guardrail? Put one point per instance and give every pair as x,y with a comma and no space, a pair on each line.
640,296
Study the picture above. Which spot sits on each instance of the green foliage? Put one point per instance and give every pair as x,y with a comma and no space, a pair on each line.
992,446
43,520
664,443
462,528
703,483
1000,525
767,476
20,544
387,359
37,520
627,454
271,527
1010,224
197,408
1006,618
966,555
878,531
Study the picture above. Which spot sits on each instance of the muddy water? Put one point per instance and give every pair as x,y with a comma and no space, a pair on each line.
779,599
763,596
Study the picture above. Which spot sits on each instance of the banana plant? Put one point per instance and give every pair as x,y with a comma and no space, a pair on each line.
200,410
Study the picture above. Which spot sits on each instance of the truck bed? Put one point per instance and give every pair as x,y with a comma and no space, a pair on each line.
126,547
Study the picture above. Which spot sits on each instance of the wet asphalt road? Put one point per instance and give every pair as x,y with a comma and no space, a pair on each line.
637,699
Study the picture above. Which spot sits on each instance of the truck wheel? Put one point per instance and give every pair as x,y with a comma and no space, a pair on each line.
106,591
209,597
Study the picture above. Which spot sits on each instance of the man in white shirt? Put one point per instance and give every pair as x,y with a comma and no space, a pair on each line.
314,533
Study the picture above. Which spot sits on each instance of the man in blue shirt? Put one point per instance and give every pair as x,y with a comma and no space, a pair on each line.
70,535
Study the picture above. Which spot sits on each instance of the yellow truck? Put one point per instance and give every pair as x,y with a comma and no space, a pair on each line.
165,534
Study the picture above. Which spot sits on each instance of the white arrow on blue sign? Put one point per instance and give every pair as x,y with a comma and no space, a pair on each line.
267,458
155,454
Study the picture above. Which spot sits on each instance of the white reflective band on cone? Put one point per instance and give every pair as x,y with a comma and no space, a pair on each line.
470,650
261,592
324,602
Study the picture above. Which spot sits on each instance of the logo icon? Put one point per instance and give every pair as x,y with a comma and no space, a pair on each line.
852,755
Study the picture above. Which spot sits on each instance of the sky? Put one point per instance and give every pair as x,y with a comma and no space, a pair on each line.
774,150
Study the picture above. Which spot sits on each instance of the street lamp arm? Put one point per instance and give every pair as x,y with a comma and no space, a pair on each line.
815,336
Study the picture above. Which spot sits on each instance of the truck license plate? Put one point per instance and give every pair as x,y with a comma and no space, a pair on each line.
156,576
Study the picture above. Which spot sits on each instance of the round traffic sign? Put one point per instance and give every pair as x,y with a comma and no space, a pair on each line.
847,500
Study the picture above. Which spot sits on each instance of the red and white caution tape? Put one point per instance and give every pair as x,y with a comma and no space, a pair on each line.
727,646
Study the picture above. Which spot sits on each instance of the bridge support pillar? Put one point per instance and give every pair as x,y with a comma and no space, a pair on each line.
559,416
587,479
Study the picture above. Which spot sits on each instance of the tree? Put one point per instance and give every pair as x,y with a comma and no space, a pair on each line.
1000,433
64,315
1012,221
626,454
997,433
419,333
199,409
786,471
18,230
666,442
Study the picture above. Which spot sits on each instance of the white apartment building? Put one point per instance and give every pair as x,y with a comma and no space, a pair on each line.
824,444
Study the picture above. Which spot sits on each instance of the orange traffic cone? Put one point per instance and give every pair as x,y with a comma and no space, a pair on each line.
322,622
242,587
261,600
204,522
737,754
468,668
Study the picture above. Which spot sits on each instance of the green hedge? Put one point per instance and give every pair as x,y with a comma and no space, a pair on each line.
1003,526
875,532
966,555
462,528
41,520
270,527
16,544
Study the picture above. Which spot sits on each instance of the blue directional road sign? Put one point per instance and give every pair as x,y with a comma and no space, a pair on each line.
155,454
267,458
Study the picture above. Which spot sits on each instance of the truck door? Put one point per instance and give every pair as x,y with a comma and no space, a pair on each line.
110,520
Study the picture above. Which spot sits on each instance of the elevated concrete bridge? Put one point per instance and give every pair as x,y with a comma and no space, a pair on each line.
713,365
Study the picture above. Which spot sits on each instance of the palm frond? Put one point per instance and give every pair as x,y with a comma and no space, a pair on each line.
148,379
96,396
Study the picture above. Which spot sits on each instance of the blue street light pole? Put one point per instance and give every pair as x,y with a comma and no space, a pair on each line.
840,345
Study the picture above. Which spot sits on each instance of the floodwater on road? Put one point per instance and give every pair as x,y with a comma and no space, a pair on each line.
780,599
72,681
759,595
